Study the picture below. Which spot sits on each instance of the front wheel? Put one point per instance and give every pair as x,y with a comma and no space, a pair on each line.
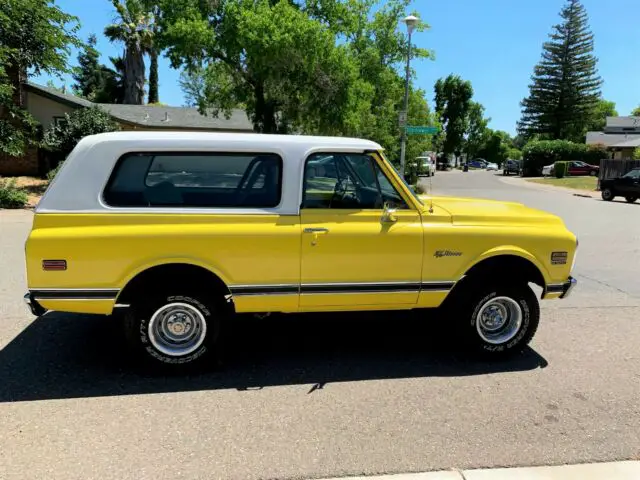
607,195
174,330
499,320
631,199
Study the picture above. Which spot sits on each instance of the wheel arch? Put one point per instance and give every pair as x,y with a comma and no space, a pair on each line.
155,276
511,261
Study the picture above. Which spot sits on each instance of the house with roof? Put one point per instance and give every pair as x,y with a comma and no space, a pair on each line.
621,136
49,106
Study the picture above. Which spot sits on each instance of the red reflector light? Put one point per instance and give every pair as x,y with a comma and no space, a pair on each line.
54,264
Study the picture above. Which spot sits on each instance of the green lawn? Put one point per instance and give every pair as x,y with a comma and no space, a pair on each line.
579,183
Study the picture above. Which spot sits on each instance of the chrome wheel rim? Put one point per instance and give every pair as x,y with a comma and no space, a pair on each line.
177,329
499,320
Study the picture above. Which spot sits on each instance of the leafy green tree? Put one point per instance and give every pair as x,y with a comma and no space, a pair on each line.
379,48
35,37
514,154
636,112
476,129
603,110
453,102
565,88
135,30
281,65
496,147
64,136
256,55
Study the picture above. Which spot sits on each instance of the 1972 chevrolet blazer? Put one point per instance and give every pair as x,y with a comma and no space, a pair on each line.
182,230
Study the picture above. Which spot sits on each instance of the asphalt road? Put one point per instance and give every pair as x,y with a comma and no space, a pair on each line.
324,396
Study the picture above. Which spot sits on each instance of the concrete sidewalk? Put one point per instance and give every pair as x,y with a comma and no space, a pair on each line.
629,470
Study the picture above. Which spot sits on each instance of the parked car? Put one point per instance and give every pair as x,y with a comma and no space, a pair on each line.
478,163
627,186
492,167
574,169
511,166
577,168
180,231
428,166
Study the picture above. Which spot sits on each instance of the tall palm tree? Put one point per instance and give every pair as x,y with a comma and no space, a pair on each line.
134,29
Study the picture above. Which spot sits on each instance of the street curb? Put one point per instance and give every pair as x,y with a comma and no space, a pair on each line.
520,181
626,470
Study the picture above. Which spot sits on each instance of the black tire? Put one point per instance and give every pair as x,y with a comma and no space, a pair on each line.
147,342
516,334
607,195
593,173
631,199
505,173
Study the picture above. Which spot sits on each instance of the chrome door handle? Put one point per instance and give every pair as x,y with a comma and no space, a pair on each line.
315,230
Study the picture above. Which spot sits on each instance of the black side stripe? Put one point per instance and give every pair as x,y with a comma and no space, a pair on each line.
360,288
75,294
264,289
241,290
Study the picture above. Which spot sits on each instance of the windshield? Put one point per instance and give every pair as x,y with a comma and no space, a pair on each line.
401,178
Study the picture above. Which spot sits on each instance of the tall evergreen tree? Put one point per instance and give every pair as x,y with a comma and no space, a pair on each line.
565,88
94,81
87,74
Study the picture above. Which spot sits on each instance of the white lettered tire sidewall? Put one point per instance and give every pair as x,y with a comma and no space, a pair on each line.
530,310
139,329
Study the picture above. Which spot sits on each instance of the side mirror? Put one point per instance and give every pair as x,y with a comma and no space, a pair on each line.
388,214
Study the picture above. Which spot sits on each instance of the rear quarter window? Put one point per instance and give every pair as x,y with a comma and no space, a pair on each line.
198,180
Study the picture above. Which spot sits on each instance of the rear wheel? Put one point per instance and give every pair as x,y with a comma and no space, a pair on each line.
607,194
631,199
593,173
175,331
498,320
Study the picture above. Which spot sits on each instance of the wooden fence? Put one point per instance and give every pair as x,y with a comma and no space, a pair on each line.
615,168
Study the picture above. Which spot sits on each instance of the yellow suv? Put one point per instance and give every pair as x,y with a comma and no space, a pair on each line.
179,231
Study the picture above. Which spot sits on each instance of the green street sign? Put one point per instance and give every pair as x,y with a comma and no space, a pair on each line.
420,130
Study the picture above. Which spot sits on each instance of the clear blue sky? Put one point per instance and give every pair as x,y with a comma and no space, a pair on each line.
493,43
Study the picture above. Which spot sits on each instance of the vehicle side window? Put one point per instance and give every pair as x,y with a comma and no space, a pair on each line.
347,181
633,174
202,180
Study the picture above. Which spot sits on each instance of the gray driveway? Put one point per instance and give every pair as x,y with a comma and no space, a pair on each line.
322,396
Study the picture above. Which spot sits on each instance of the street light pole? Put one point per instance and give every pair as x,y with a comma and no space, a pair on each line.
411,22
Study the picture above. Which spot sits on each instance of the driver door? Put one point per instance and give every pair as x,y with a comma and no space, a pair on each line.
356,254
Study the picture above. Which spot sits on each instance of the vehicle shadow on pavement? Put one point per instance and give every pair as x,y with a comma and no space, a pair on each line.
71,356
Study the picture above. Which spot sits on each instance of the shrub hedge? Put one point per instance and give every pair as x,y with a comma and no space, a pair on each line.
10,195
538,153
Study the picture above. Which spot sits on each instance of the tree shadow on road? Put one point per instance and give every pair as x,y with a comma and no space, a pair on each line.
71,356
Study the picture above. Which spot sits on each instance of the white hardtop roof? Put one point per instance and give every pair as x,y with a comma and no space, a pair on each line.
79,184
251,140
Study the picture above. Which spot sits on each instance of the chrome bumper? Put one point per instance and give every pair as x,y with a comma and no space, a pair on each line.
568,287
34,306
